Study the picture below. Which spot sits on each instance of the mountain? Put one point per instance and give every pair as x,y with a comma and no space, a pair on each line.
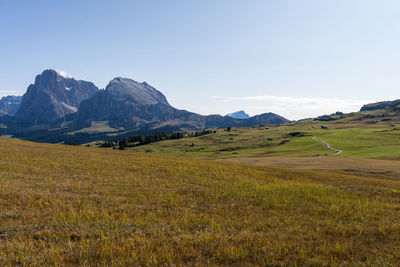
380,105
129,104
238,115
57,108
52,97
9,105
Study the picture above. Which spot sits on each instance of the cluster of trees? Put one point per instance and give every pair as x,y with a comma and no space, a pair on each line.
139,139
152,138
200,133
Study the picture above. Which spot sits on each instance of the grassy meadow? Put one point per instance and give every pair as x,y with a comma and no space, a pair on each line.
354,135
68,205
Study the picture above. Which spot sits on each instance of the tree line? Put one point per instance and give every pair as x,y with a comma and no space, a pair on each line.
139,139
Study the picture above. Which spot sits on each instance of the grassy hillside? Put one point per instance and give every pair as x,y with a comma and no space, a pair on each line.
356,135
65,205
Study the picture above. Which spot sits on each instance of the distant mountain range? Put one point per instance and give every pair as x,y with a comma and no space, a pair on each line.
239,115
57,108
9,105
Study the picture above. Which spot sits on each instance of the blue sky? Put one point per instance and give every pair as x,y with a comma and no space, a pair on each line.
296,58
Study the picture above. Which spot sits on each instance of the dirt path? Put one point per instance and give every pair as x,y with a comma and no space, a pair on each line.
337,151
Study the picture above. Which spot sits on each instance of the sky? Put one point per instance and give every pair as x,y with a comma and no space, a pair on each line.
297,58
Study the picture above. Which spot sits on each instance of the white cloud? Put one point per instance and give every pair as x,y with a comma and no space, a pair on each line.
64,74
293,107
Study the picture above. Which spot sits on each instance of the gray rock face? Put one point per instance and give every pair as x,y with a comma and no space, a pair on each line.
51,98
126,101
9,105
138,93
239,115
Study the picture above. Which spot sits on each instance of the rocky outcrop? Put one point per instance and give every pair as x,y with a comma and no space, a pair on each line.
380,105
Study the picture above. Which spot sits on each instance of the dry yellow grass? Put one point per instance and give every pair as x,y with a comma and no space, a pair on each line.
359,166
64,205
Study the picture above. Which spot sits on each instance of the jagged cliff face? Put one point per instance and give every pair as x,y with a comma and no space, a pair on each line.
51,98
9,105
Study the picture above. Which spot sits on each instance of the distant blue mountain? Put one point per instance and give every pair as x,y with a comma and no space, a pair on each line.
239,115
9,105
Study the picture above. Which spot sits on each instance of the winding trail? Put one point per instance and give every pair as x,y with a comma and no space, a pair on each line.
337,151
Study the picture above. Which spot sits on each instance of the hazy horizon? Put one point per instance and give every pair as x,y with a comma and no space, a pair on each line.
296,59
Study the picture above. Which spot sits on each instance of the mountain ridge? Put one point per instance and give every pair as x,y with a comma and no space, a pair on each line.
58,108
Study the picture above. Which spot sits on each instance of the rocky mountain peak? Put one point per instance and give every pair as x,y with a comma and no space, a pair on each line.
52,97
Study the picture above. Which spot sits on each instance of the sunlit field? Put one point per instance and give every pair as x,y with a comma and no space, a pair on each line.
67,205
354,135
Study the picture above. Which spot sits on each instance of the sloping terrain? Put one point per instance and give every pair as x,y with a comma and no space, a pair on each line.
68,205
